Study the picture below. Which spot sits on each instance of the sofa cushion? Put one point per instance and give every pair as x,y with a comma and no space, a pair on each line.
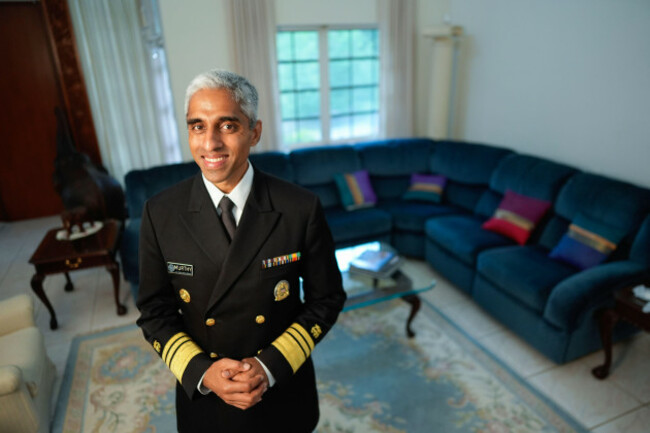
587,243
315,168
411,216
360,224
462,236
144,184
517,216
606,200
426,187
275,163
355,190
391,163
530,176
526,273
468,163
641,248
396,157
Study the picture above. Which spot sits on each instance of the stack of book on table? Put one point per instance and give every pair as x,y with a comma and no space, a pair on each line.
377,264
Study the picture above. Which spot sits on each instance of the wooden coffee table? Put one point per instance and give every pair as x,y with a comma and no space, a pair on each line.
55,256
364,290
628,308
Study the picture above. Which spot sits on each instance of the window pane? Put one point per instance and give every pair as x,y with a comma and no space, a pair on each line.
307,75
362,72
310,130
340,73
290,132
340,102
364,43
285,76
308,104
364,125
340,128
288,105
364,99
305,45
338,43
284,46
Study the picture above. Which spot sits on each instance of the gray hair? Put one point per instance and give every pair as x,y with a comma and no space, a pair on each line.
242,91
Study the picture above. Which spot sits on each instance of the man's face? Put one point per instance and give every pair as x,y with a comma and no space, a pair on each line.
220,137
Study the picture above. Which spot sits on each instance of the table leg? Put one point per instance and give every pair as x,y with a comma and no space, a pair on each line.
37,287
607,322
414,300
69,287
114,269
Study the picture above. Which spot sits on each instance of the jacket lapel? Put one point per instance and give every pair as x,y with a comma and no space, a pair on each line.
203,223
253,229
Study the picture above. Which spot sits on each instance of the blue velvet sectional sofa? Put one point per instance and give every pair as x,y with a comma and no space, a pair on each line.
550,304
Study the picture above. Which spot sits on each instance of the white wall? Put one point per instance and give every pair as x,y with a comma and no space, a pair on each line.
310,12
566,80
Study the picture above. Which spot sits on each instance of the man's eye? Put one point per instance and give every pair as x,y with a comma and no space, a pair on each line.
196,127
229,127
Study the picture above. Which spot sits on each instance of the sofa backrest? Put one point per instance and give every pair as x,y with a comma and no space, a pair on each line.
144,184
275,163
315,167
527,175
605,200
640,251
391,163
468,168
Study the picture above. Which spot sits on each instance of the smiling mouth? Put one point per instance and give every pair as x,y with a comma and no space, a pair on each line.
214,160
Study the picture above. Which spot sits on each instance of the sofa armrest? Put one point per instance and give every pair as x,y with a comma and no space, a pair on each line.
10,379
17,410
16,313
590,289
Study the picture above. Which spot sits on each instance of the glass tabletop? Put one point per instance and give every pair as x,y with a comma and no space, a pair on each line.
364,290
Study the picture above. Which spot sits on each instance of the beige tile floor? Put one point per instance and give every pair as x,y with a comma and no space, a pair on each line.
620,404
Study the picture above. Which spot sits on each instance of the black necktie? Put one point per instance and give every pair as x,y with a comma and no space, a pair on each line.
227,218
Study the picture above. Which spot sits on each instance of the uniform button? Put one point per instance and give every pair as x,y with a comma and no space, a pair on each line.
210,322
213,355
259,351
260,319
185,295
156,345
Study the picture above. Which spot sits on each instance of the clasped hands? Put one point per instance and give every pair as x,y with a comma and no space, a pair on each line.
238,383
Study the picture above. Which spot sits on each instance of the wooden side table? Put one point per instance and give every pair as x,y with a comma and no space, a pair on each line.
628,307
55,256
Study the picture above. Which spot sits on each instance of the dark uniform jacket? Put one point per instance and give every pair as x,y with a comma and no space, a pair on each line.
202,298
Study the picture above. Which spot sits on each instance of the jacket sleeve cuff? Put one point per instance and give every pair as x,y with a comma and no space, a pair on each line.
288,352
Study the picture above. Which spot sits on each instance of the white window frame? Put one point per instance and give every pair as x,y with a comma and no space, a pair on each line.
323,62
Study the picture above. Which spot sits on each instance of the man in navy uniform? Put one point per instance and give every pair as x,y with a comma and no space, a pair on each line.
221,257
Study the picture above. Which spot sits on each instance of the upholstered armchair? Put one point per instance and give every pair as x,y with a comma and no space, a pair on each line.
26,372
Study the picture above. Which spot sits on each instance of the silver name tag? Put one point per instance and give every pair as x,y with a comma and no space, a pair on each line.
180,269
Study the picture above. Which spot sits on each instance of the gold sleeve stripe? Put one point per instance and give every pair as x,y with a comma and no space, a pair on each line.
305,335
171,343
180,361
293,346
178,352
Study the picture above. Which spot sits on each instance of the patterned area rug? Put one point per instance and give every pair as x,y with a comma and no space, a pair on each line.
371,378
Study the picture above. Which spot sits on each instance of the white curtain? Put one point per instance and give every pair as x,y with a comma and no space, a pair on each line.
254,31
396,30
125,69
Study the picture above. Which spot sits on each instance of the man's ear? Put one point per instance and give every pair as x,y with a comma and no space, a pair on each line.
257,133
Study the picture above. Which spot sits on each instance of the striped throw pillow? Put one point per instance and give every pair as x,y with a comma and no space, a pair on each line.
355,190
517,216
587,243
426,187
